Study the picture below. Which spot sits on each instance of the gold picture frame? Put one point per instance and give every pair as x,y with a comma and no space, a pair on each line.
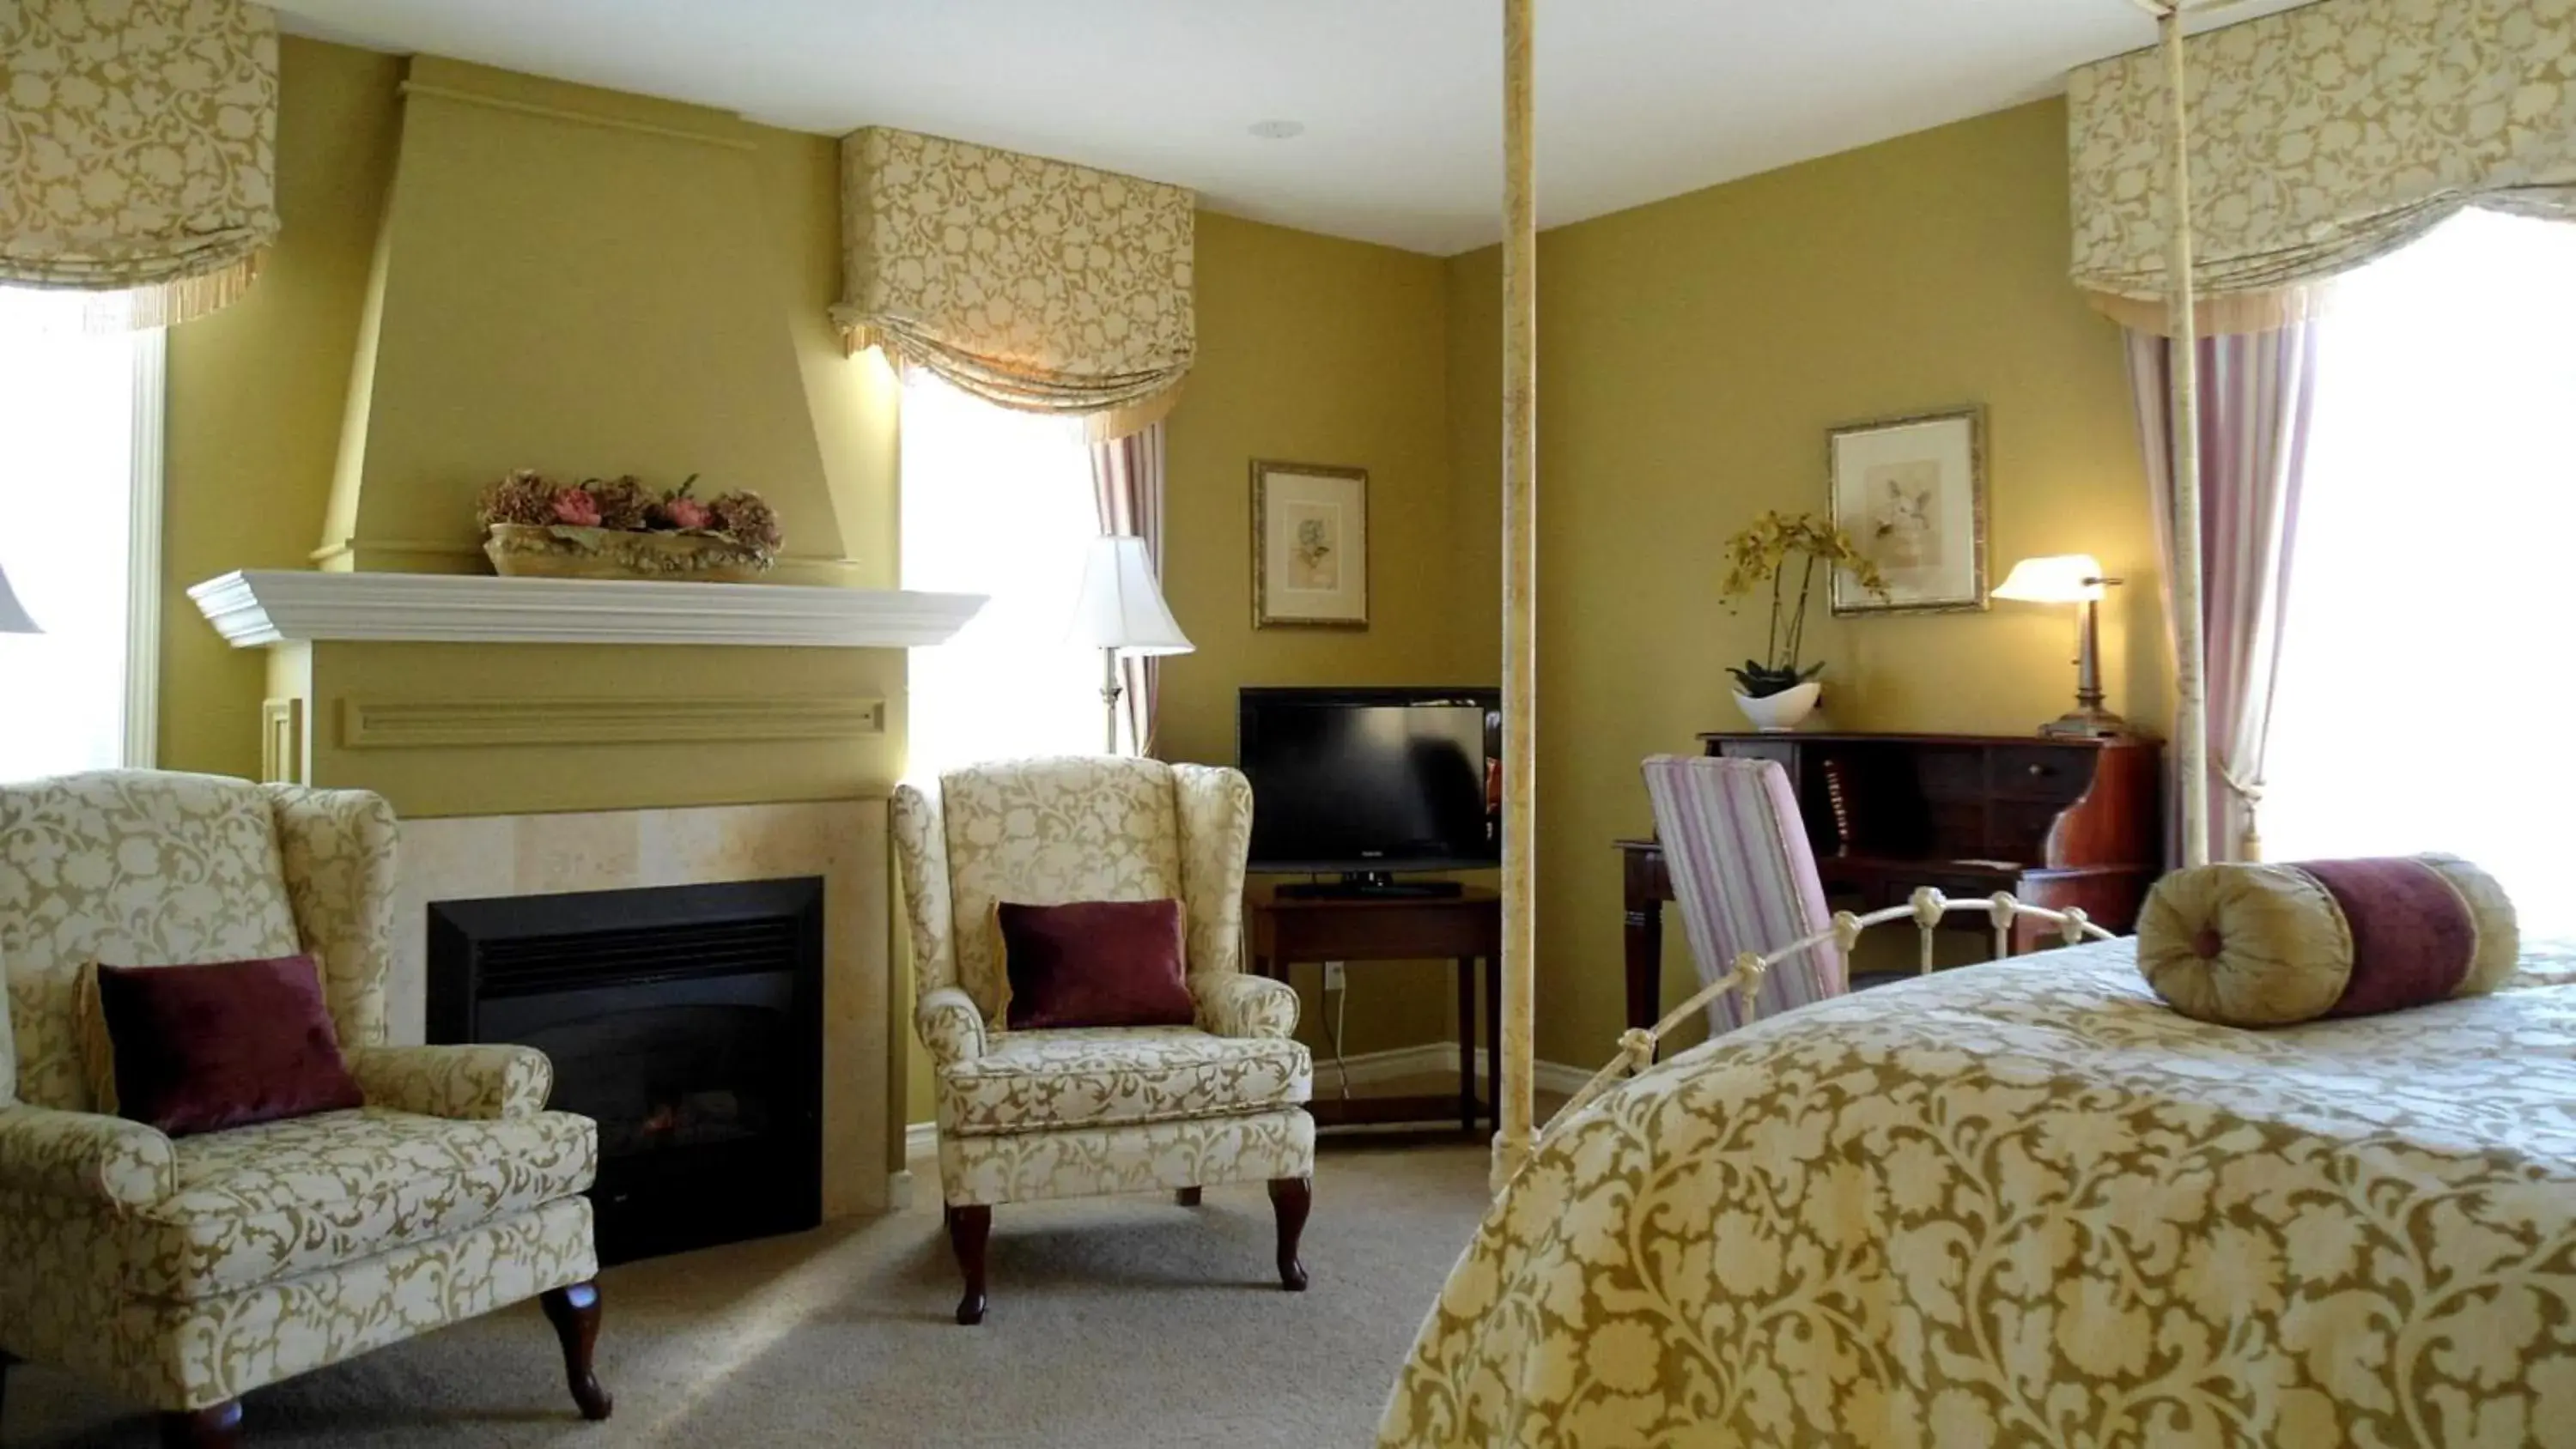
1310,536
1911,492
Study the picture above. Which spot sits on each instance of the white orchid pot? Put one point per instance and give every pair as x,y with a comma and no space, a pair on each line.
1779,713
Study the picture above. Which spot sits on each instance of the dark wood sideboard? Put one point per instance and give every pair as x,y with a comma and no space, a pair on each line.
2057,822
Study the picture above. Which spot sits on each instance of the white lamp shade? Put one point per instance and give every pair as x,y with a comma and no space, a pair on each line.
2065,578
1121,605
13,619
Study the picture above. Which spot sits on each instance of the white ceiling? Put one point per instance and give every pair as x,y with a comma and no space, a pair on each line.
1401,99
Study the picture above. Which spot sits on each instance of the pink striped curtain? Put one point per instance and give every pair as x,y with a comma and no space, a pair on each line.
2257,392
1127,485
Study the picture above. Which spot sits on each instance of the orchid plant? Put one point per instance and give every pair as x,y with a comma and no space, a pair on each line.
1763,552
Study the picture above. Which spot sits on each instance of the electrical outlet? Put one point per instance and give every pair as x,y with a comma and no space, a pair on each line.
1333,978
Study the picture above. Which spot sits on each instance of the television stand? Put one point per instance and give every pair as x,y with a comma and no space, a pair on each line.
1369,885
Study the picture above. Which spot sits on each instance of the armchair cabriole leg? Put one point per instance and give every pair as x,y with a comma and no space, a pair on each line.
1186,1196
574,1311
218,1427
969,1229
6,1360
1290,1199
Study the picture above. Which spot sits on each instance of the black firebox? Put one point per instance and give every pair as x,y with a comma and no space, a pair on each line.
686,1020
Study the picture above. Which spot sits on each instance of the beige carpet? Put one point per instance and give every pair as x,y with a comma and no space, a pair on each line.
1124,1322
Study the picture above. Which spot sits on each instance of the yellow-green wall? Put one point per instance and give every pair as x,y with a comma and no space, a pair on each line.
255,394
258,392
1693,354
1313,350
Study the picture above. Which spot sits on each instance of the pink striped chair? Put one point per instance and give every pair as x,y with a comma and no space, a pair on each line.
1744,877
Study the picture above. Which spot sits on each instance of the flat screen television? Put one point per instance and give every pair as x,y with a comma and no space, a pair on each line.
1367,783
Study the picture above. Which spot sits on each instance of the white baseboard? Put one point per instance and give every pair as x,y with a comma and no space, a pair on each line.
1435,1057
921,1139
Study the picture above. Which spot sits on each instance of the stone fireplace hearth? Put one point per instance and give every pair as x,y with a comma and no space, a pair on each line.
841,844
687,1021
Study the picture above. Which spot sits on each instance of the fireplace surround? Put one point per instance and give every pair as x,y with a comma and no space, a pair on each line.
687,1020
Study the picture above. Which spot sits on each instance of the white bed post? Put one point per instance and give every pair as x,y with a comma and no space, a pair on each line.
2191,722
1510,1078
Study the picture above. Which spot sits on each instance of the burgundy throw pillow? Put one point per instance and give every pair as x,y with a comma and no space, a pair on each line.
203,1048
1095,963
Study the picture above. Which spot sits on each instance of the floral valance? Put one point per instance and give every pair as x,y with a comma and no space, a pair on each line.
138,151
1035,284
2322,138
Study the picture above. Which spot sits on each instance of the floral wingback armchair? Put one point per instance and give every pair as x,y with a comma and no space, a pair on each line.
186,1272
1028,1115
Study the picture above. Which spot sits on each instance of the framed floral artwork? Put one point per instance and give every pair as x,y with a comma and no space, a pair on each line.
1911,493
1309,546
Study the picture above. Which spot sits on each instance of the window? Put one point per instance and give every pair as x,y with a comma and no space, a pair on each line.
998,502
2422,676
80,491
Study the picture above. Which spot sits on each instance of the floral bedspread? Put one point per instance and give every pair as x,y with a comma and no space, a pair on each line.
2024,1203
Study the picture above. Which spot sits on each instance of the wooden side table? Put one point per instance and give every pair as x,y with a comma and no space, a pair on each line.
1466,928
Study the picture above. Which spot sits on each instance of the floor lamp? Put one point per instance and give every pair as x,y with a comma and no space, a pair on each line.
13,619
1121,612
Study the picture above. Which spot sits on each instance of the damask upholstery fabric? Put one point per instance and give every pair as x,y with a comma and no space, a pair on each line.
188,1273
1128,1157
191,1355
1097,1075
2028,1203
2322,138
134,867
1044,1114
283,1198
100,1160
1035,284
463,1083
1048,831
137,151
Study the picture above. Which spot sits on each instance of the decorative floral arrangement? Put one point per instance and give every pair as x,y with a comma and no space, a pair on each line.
1762,552
625,505
616,528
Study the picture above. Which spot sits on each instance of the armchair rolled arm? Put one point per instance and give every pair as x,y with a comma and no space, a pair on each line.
1232,1004
462,1083
84,1155
950,1025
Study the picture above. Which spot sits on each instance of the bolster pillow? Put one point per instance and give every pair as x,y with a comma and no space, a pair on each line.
2267,945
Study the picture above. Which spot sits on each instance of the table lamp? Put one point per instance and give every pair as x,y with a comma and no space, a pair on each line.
1121,611
13,619
2072,578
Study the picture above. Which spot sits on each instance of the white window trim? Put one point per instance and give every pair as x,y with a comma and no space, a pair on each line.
142,744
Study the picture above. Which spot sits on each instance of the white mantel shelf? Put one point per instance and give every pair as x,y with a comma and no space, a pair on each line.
255,607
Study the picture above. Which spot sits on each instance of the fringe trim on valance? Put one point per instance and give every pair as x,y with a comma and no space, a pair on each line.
2220,316
1109,407
167,304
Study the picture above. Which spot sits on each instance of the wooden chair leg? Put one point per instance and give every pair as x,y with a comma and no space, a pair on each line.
969,1229
1186,1197
574,1311
7,1359
1290,1199
215,1428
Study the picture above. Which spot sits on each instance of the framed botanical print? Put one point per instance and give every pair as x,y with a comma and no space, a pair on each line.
1911,492
1309,545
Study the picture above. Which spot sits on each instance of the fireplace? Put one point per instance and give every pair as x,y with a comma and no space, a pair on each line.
686,1020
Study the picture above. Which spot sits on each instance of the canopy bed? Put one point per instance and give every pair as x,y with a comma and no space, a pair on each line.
2031,1202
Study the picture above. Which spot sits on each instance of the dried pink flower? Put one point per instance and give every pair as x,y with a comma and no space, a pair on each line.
575,506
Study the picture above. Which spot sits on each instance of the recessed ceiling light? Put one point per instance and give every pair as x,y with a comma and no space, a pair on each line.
1280,130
